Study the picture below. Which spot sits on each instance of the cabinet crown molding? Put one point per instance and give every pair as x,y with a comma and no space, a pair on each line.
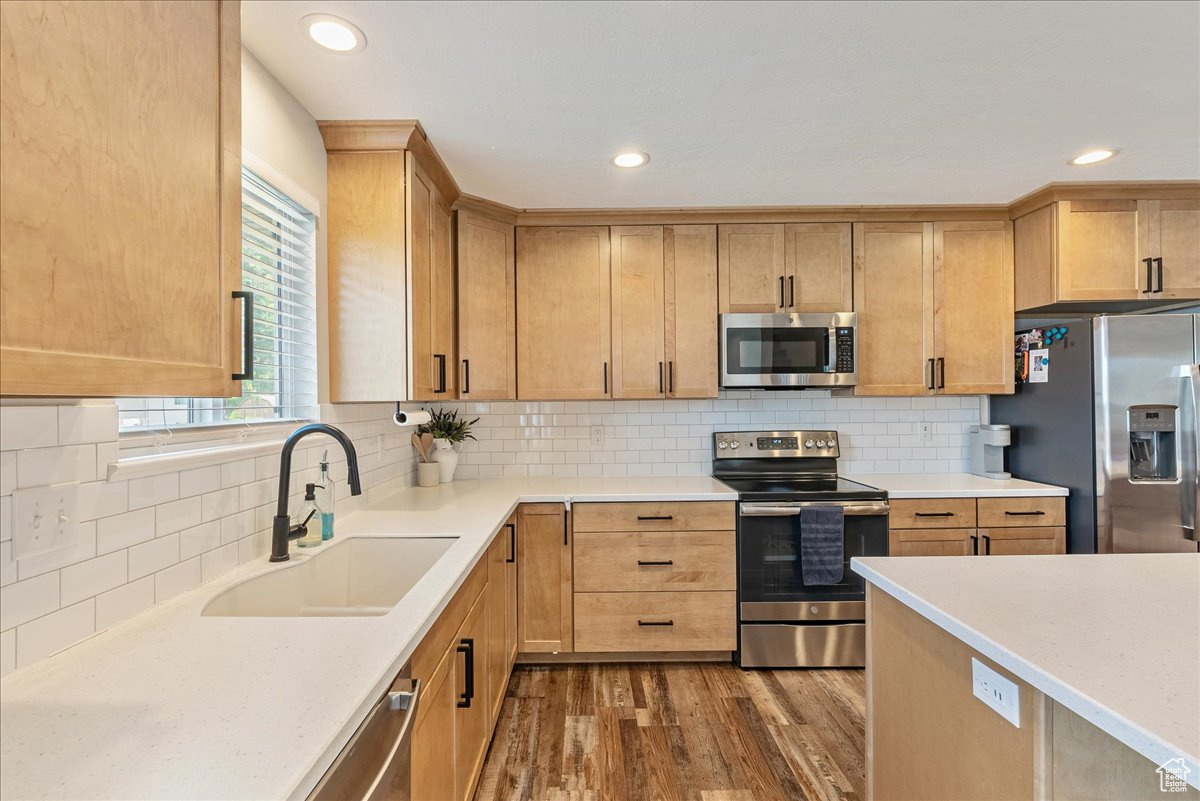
343,135
1102,190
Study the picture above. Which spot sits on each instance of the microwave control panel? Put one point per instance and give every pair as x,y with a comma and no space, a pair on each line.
844,358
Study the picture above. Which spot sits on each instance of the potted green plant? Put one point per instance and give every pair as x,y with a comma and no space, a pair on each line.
449,433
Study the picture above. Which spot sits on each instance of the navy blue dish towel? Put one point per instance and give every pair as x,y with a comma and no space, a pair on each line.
822,545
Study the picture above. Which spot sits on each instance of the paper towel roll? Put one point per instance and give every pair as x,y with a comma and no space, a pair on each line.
413,418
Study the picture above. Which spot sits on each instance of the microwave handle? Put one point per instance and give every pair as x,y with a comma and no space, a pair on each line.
831,351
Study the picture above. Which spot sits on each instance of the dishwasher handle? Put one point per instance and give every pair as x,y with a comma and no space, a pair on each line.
868,509
367,767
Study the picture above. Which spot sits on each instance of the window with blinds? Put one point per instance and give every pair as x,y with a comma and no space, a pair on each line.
279,267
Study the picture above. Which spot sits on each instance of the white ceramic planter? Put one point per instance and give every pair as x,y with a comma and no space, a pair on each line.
446,455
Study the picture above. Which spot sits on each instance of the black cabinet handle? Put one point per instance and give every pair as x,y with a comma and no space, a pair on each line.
1159,262
606,378
656,517
671,377
660,378
655,562
466,376
781,303
656,622
933,514
987,545
974,545
566,514
792,291
247,298
1024,514
441,360
512,542
1149,276
941,363
930,386
467,646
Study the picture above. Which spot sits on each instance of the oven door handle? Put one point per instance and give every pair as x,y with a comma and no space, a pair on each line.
793,509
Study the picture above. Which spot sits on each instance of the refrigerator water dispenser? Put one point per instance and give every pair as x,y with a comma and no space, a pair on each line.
1152,452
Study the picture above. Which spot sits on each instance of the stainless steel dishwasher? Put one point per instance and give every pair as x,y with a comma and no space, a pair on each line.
375,764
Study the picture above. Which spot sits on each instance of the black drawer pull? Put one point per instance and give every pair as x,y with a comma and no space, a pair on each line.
933,514
247,297
656,517
512,542
467,646
441,360
1149,276
987,545
974,545
655,562
1038,513
656,622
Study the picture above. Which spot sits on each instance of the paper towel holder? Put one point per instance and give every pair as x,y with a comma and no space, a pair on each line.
413,418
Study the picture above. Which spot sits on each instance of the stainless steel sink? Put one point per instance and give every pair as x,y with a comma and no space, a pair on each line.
356,577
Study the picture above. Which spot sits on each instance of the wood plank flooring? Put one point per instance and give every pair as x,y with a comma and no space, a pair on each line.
678,732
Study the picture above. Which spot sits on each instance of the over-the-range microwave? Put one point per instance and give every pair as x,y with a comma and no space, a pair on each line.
789,351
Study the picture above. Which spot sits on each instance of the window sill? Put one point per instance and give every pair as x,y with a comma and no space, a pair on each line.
159,463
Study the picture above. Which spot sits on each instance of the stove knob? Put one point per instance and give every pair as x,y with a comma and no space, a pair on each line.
820,443
734,444
808,443
722,444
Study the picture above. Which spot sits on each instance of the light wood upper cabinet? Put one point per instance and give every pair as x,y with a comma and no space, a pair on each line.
487,313
752,268
120,230
638,323
431,288
563,313
1126,249
545,584
893,296
690,267
819,267
973,307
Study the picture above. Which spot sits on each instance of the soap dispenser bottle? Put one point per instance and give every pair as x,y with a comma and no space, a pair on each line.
312,528
326,492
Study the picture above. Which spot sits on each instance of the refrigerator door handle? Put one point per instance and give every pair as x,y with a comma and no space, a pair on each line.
1190,486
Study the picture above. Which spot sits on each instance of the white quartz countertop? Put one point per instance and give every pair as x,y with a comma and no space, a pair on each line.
170,704
1115,638
954,485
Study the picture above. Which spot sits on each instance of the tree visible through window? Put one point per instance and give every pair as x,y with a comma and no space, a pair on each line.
279,267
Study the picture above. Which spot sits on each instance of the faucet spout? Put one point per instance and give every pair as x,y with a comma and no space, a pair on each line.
281,527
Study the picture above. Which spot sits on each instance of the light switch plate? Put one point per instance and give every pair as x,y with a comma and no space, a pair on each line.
597,433
996,691
45,519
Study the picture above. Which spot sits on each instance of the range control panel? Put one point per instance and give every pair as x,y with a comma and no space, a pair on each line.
775,444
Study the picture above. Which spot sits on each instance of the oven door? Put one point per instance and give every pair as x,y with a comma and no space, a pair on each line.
780,350
770,583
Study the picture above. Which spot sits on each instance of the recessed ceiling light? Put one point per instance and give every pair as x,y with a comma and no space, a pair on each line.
1093,157
630,158
333,33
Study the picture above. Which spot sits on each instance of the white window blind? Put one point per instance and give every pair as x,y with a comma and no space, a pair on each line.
279,267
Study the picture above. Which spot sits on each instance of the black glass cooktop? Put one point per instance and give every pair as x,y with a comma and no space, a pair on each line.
816,488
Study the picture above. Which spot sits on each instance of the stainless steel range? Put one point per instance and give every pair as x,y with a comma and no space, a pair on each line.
787,485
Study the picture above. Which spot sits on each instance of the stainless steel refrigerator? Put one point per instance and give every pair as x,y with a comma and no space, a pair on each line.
1116,422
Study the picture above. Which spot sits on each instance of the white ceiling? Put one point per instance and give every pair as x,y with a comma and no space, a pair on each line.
755,103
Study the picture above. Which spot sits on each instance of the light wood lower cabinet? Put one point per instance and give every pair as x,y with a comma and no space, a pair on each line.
433,765
120,199
472,711
544,579
618,561
1006,526
640,622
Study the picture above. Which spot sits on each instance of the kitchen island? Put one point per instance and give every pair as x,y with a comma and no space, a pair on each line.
1104,652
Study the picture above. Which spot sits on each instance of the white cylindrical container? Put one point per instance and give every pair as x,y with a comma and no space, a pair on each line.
428,474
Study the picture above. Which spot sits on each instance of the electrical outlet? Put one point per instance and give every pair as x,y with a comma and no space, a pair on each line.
996,691
47,519
925,433
597,436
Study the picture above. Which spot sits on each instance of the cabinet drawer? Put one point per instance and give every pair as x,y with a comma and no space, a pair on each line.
1022,512
932,513
656,516
931,542
655,621
1022,541
615,561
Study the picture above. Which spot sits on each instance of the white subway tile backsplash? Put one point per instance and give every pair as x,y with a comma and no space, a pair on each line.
222,560
84,548
8,651
198,539
176,515
8,567
26,600
103,499
199,480
28,427
124,530
86,423
41,467
153,490
176,580
93,577
125,601
219,504
46,635
153,556
8,472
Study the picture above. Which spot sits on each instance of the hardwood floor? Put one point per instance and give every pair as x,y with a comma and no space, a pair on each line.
685,731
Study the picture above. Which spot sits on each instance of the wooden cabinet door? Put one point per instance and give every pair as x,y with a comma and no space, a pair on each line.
638,360
433,760
932,542
496,611
1101,244
120,199
973,307
1175,237
510,595
365,220
487,310
472,729
820,272
431,288
563,323
750,259
442,301
893,296
544,579
1022,541
690,267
